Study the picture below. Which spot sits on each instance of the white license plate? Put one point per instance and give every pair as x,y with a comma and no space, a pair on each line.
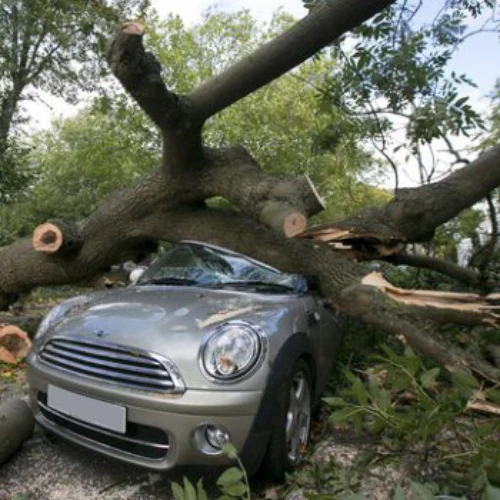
89,410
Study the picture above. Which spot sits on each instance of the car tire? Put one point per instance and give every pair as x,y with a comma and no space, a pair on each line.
290,434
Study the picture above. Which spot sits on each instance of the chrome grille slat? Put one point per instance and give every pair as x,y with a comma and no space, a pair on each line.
105,353
111,363
106,373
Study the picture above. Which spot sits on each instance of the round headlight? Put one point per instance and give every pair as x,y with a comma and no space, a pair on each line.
232,351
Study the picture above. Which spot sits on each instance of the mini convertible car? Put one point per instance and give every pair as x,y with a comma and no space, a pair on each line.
208,346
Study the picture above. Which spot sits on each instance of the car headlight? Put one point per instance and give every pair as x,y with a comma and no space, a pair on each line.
57,313
233,350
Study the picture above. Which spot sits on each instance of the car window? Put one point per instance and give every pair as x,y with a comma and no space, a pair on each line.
206,266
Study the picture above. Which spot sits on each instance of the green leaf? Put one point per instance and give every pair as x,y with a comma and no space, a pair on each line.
177,491
337,402
360,393
428,378
463,378
399,493
421,491
202,494
493,395
379,396
230,476
235,490
344,414
229,450
492,492
189,491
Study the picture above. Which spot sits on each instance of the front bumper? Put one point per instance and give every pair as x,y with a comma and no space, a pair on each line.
160,427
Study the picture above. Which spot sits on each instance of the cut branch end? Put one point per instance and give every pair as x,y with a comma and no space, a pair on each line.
14,344
55,236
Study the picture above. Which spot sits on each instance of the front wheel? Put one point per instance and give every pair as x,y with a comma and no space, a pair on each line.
291,432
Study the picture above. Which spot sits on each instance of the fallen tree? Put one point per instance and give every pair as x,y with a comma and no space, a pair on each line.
272,211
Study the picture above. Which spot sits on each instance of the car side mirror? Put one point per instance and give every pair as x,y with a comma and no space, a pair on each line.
136,274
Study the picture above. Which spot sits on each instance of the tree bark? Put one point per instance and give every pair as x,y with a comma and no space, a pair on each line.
325,23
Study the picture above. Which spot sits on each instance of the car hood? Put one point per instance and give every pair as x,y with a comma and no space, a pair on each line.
170,320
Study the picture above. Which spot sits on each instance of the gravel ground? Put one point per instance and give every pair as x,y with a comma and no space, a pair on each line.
48,468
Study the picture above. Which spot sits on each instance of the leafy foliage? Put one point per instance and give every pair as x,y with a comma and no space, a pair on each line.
493,136
413,407
16,173
77,163
233,482
392,75
52,47
57,46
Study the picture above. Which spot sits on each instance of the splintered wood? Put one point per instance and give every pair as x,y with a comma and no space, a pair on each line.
346,239
483,308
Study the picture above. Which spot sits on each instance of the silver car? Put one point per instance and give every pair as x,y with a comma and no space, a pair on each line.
208,346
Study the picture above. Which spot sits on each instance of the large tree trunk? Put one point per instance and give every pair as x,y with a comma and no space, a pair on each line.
16,426
168,204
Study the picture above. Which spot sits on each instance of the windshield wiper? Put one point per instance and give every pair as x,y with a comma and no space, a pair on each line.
169,280
255,284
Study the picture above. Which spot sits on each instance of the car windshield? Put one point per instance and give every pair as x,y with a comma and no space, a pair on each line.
191,264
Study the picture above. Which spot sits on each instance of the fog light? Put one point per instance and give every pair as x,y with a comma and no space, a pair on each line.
209,438
216,437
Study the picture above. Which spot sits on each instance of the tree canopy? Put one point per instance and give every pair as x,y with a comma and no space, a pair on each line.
52,47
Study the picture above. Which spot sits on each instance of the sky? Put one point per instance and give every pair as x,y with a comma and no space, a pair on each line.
477,57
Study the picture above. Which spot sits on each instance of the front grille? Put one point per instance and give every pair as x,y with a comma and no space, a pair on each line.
140,440
112,363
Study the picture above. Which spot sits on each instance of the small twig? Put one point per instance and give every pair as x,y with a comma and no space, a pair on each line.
484,406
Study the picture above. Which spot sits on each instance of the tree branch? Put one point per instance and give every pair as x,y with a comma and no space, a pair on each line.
448,268
374,307
324,24
280,202
413,214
